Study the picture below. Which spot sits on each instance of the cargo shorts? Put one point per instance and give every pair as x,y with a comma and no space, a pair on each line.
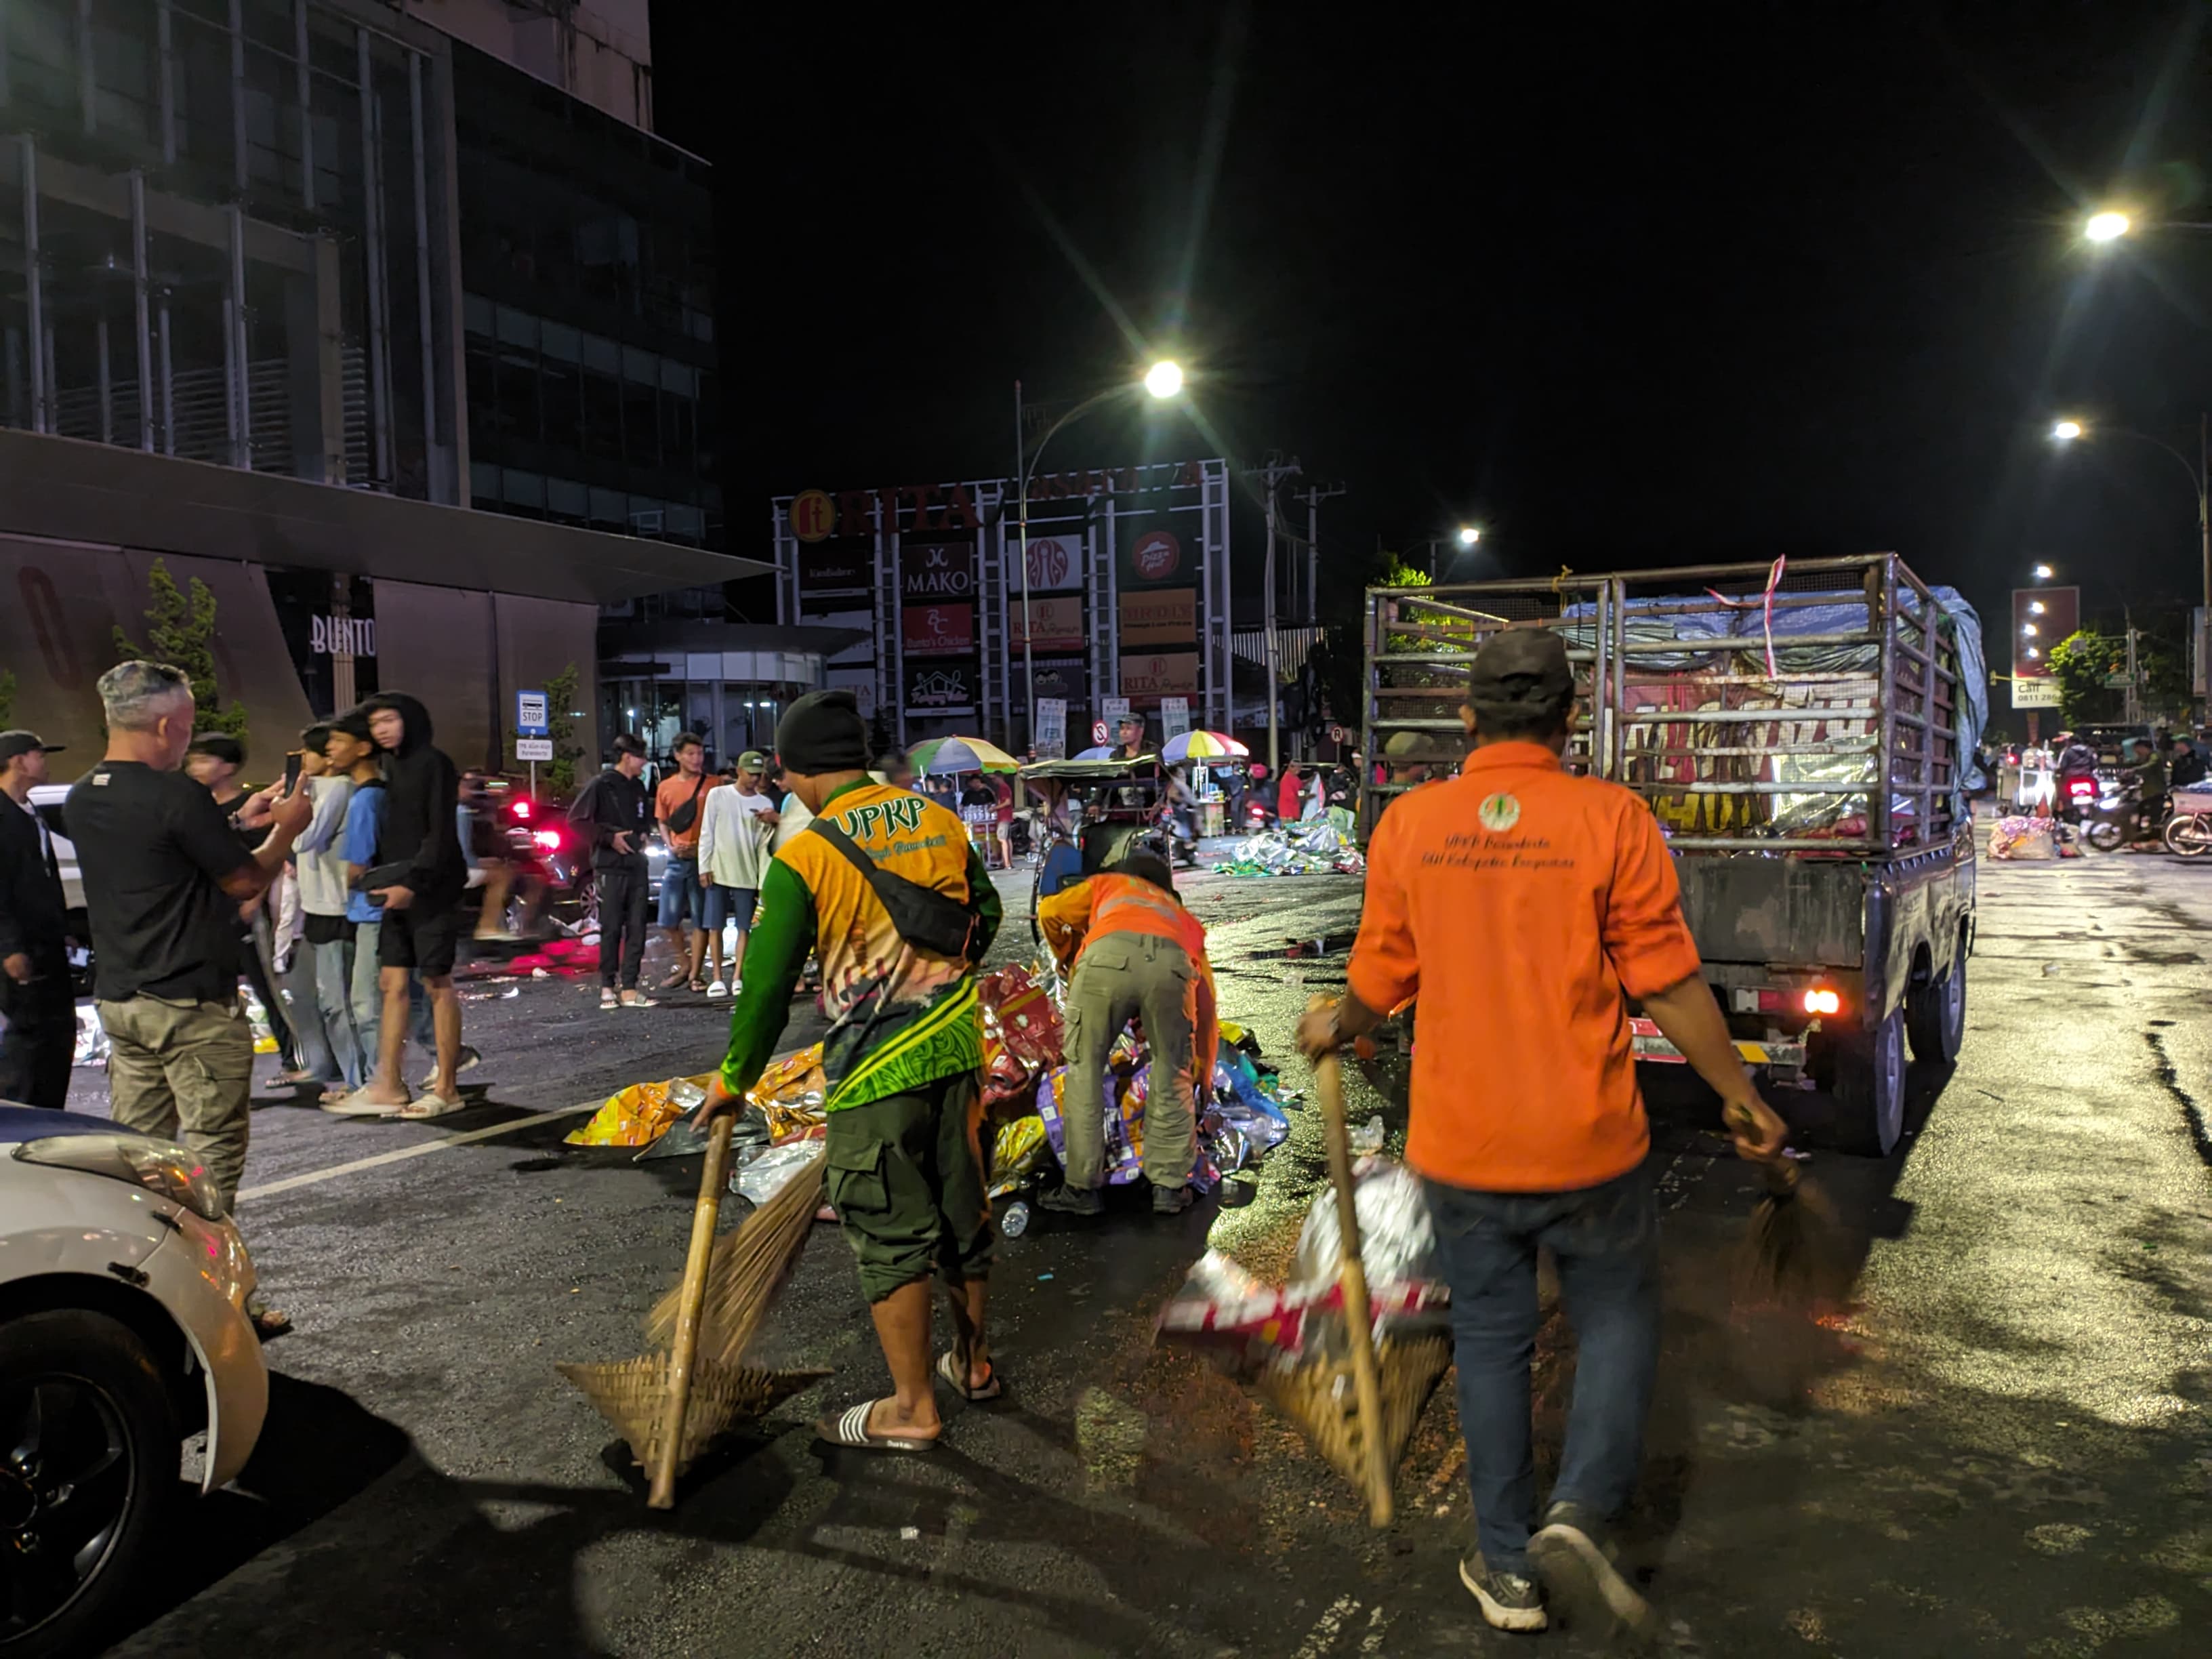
905,1176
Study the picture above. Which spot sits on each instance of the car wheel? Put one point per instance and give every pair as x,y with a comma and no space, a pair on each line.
88,1465
1870,1087
1936,1015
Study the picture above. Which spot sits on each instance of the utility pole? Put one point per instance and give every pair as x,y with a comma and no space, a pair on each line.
1313,498
1274,474
2131,707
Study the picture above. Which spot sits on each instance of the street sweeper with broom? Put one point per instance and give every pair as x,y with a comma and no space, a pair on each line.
1524,904
885,889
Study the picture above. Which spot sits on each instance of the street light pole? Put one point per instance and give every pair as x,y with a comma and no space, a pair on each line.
2200,483
1163,380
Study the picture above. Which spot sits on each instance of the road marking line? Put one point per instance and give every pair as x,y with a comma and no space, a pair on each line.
420,1149
1323,1635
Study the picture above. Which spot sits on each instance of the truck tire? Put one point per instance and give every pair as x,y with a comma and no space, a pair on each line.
1936,1015
1871,1070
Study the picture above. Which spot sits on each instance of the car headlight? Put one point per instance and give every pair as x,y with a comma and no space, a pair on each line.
163,1169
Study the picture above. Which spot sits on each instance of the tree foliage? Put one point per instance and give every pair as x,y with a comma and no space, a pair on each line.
180,630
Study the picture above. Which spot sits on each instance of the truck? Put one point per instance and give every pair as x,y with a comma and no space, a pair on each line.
1804,731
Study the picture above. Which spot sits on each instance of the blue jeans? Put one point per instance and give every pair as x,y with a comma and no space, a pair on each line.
1606,1242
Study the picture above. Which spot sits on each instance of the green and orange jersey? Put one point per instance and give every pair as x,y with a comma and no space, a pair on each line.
899,1015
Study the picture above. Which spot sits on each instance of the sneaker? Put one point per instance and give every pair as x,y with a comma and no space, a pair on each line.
1172,1200
469,1061
716,988
1509,1601
608,999
1073,1200
636,1000
1572,1556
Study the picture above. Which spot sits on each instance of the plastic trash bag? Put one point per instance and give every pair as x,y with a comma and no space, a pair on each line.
641,1114
1396,1242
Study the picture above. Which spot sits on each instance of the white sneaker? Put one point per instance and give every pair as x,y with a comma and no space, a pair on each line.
716,988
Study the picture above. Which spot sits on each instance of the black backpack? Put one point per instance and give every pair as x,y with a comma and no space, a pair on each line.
924,918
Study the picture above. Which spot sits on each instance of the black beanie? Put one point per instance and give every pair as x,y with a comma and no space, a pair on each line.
822,731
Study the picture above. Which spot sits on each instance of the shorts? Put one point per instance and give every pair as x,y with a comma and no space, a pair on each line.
681,899
906,1178
419,938
731,904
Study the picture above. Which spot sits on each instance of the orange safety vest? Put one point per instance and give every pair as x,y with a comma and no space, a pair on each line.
1130,904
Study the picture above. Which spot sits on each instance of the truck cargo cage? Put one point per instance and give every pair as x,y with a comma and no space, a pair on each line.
1800,706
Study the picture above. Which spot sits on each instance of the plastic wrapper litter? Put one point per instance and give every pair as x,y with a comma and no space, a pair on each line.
1313,848
762,1177
1018,1151
1124,1127
641,1114
1222,1306
1022,1033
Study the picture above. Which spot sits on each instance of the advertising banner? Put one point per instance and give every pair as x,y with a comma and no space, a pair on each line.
846,565
1112,711
1164,616
1055,624
1052,728
1055,562
940,688
1065,677
1175,716
1146,678
931,573
938,630
1151,551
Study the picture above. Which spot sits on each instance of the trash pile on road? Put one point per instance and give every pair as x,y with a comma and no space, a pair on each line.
1269,1329
1025,1088
2022,838
1313,848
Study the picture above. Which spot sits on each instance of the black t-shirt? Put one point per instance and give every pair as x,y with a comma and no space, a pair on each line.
153,846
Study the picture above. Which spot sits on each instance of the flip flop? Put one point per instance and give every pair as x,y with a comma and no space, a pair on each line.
949,1369
850,1429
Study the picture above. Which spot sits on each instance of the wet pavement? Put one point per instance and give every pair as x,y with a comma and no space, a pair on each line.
2000,1445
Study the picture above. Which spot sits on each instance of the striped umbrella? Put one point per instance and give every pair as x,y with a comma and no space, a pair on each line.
935,757
1202,746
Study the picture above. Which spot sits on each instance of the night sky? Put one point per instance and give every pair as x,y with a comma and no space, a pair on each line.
1624,287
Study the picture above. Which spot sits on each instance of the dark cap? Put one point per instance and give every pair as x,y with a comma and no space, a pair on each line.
19,742
1520,665
822,731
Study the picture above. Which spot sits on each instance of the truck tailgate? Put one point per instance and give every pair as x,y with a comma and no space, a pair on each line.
1775,910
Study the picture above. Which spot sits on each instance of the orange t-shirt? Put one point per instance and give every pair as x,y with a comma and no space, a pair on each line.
1523,904
675,789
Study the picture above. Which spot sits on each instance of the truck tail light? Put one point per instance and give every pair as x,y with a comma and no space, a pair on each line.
1821,1001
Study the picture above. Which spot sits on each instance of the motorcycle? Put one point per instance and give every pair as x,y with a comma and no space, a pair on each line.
2117,820
2188,831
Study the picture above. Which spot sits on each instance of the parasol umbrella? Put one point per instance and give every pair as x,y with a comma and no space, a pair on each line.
1103,751
935,757
1203,746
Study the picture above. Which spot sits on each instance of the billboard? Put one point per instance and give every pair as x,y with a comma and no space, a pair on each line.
938,630
1160,617
1127,567
1053,624
2041,616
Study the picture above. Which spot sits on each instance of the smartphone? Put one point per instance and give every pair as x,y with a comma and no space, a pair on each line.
292,771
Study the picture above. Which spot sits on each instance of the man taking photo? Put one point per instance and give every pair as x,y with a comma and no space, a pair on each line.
734,849
1524,906
614,811
37,1006
164,877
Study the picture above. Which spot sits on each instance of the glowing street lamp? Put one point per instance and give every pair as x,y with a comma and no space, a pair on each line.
1165,378
2035,607
2066,432
2106,226
2028,629
2041,573
1469,535
2033,654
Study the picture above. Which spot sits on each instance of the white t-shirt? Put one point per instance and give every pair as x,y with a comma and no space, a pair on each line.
796,817
734,844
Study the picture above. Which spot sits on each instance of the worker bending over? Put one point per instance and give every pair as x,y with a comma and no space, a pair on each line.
1134,950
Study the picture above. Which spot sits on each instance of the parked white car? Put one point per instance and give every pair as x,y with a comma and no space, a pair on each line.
123,1334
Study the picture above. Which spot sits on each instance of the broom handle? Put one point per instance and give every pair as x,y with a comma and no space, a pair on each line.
712,1180
1351,1274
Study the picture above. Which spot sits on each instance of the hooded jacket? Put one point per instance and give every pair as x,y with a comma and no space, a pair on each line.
418,829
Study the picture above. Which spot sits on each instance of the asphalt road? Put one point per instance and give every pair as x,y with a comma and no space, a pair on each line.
2001,1446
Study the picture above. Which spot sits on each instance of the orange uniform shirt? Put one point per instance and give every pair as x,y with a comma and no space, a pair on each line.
1111,903
1522,905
